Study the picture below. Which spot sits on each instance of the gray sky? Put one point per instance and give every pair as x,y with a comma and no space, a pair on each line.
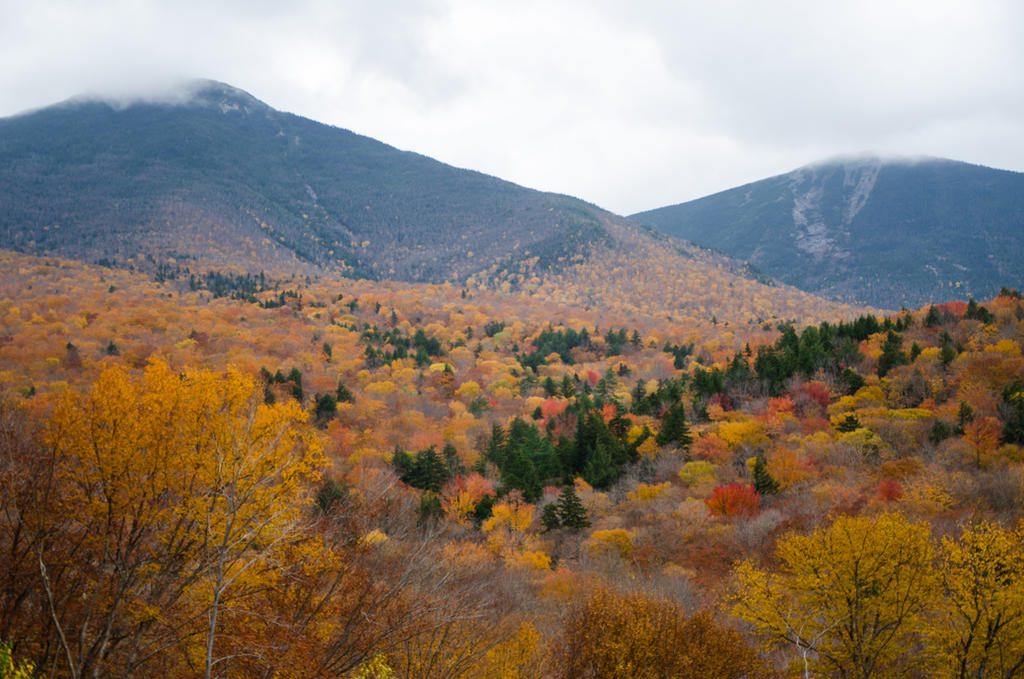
630,105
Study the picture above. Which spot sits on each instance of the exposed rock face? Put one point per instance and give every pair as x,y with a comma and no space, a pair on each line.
889,233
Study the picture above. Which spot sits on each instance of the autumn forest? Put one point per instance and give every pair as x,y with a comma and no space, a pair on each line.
229,473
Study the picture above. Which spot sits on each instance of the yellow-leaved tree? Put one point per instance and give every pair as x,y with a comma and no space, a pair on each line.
850,597
164,492
608,634
978,629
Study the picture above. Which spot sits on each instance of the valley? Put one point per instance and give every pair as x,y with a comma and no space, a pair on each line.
280,400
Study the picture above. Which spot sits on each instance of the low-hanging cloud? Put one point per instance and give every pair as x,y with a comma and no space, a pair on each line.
630,107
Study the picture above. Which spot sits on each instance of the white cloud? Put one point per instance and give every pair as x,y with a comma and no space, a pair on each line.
629,106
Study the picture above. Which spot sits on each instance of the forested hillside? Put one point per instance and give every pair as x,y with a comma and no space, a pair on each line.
215,175
229,473
890,233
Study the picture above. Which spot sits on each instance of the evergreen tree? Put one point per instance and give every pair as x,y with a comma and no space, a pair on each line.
295,377
451,460
324,409
851,381
426,471
892,354
549,517
674,428
848,424
977,312
546,461
343,394
549,386
568,388
520,473
964,416
638,395
430,470
1012,413
329,495
484,509
495,451
763,481
571,511
946,355
600,471
940,431
402,462
915,351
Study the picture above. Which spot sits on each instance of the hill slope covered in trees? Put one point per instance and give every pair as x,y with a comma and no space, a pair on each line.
217,174
329,477
886,233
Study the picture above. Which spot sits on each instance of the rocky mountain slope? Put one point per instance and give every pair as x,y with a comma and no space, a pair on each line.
889,233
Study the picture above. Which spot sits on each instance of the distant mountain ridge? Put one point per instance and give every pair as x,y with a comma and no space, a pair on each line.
888,233
214,172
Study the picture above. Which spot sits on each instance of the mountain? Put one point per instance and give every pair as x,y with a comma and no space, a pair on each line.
888,233
210,185
216,175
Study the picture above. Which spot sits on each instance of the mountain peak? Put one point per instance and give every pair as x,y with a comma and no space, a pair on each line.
220,95
883,231
201,92
204,170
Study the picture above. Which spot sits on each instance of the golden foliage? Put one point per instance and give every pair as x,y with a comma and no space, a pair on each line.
610,635
850,598
978,628
645,492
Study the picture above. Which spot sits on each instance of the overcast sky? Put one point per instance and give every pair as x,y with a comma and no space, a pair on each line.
630,105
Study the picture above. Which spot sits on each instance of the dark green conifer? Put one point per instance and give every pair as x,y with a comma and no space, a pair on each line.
892,354
571,511
674,428
549,517
343,394
848,424
763,481
600,470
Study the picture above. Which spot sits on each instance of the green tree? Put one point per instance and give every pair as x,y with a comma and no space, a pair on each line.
326,405
674,428
977,312
848,424
851,380
892,354
1012,413
426,471
549,517
964,416
946,354
571,511
549,386
600,470
763,481
520,472
343,394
